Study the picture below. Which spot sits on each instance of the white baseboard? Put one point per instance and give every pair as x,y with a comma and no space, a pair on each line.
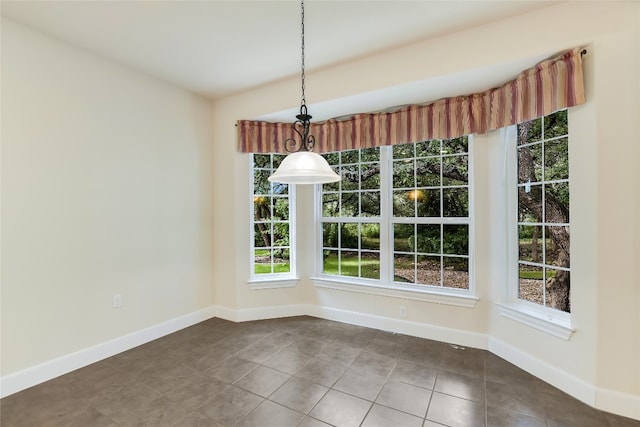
17,381
627,405
416,329
558,378
422,330
248,314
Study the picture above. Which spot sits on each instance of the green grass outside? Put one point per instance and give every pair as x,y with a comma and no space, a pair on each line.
370,268
265,268
536,275
277,268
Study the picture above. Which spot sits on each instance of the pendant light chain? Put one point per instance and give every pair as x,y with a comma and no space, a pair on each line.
304,101
302,165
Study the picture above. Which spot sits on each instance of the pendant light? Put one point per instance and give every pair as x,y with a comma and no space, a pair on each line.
302,165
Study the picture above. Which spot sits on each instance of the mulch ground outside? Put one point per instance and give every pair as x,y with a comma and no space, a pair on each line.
530,289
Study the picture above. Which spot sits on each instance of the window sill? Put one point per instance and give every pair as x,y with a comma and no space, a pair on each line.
273,283
398,291
555,326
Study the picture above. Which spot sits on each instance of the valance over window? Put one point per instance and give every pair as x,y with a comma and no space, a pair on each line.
551,85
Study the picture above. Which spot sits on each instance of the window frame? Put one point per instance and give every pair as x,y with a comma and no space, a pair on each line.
540,317
385,285
271,280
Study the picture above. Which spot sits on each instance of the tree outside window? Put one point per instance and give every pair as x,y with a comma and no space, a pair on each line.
403,211
272,213
543,212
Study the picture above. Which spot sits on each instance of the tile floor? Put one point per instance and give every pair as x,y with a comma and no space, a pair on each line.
303,372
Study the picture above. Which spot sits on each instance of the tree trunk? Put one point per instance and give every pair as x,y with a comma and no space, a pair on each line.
261,228
534,245
558,287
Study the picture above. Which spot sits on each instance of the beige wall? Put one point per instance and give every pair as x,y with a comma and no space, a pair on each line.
106,189
604,351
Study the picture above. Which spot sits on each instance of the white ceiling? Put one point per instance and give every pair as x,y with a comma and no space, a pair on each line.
217,48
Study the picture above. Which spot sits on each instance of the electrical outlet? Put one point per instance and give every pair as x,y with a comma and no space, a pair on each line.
117,301
403,311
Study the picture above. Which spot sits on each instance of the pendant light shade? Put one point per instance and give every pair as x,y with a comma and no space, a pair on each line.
304,167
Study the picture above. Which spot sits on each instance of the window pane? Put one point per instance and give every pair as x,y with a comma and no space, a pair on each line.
429,206
455,272
455,202
455,170
330,206
556,124
281,209
370,265
455,145
349,207
403,237
428,148
262,235
403,151
530,243
428,172
530,203
429,270
277,159
261,161
557,202
530,163
558,284
403,174
282,261
530,131
350,156
370,176
370,203
332,158
261,208
403,204
350,177
262,261
332,186
370,154
349,236
330,235
260,183
281,234
370,236
279,188
455,239
556,159
349,263
531,285
557,246
330,262
404,268
428,237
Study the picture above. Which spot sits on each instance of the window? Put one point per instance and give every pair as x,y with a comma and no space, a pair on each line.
351,218
430,216
400,216
272,221
542,213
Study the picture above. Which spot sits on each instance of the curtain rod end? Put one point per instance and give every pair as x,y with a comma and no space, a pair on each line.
583,52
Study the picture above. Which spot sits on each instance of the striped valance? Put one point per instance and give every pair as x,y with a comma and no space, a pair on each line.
551,85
